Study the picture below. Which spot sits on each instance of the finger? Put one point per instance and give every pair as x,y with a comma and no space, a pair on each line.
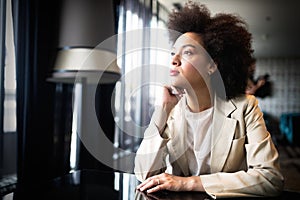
178,92
168,90
142,184
174,92
149,184
152,178
155,189
139,186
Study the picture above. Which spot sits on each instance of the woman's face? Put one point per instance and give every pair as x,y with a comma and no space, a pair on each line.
190,62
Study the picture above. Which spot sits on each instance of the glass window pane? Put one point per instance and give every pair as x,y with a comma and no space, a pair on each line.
9,76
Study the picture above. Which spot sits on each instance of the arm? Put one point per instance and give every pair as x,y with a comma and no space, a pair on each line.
262,176
151,155
252,88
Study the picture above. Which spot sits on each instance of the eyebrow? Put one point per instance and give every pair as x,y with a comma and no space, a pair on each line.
189,45
186,45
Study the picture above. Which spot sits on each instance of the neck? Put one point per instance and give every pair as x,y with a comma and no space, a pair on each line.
199,100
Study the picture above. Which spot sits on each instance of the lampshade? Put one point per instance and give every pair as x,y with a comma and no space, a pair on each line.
85,52
95,65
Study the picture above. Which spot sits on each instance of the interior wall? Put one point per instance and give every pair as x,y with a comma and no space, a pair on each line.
285,77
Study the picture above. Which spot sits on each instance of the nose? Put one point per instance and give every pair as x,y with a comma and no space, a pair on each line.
176,60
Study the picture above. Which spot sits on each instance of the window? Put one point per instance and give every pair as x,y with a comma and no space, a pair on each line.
8,138
144,57
9,120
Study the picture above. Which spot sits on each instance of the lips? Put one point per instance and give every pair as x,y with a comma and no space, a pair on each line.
174,72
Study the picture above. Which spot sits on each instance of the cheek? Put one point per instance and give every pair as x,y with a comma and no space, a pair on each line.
195,68
191,73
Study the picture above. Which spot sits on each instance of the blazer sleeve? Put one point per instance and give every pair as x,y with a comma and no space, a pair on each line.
151,155
262,177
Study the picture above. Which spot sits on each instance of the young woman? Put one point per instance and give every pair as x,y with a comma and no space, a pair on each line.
208,135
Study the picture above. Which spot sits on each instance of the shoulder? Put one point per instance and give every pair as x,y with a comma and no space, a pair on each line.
245,101
248,108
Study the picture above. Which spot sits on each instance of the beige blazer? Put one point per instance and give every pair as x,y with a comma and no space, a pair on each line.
244,160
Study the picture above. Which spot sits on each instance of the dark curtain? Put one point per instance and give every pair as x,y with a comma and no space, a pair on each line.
39,144
44,108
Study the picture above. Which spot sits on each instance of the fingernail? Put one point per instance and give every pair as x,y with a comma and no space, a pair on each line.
149,191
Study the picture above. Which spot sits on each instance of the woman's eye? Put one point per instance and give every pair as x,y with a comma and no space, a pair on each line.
187,53
172,53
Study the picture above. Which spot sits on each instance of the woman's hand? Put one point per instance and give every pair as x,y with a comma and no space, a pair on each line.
170,182
171,96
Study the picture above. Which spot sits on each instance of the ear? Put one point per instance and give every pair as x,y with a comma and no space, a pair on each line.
212,68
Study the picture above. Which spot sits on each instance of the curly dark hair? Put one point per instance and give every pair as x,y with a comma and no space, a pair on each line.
225,38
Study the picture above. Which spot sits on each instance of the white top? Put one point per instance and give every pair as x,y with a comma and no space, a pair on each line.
199,140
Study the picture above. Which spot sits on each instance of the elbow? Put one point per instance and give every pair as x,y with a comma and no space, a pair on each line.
274,191
276,186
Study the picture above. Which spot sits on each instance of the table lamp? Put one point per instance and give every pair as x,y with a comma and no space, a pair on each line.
87,62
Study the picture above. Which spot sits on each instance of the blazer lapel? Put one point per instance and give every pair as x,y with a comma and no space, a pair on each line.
223,129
